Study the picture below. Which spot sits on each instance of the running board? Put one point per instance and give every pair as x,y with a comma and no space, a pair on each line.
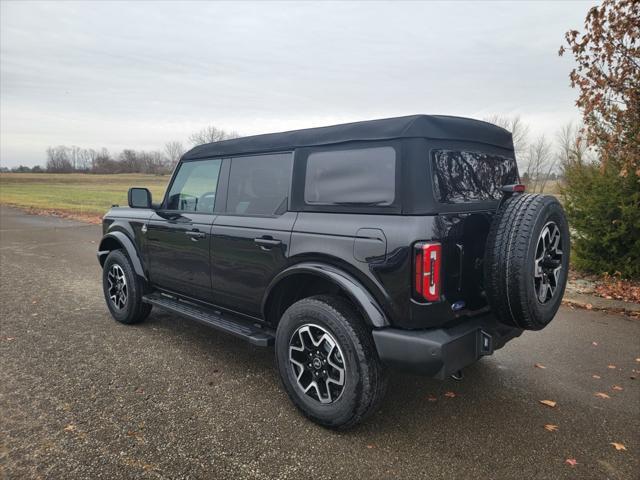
225,323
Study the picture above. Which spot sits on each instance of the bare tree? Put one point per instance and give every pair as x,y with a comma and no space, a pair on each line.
173,151
519,131
540,163
58,160
211,134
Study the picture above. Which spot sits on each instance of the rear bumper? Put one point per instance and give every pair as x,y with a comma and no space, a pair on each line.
441,352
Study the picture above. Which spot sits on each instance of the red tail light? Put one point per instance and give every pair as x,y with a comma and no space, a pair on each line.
427,260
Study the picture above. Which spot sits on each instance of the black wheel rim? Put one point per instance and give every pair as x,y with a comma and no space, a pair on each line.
117,285
548,263
317,363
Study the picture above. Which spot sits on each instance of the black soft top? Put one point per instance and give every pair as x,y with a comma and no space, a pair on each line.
441,127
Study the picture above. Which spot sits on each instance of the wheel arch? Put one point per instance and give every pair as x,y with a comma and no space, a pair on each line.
116,241
300,280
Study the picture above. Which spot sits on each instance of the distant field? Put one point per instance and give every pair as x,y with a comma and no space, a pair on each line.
76,194
80,194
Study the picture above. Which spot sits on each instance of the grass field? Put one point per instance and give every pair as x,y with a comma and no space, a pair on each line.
86,195
74,194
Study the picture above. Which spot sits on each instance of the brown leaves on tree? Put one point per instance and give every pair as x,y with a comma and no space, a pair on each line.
548,403
607,75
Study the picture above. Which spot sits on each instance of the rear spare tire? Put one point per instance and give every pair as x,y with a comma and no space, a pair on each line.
527,260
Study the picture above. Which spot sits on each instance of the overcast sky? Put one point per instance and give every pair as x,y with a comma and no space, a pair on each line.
139,74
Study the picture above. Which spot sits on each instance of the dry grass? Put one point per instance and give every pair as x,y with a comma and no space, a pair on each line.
76,194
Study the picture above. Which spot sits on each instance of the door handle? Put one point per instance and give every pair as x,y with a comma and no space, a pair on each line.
195,234
267,243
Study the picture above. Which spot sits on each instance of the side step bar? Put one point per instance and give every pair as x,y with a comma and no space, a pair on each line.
225,323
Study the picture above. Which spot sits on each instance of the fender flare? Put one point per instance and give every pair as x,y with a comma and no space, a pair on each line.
127,244
358,294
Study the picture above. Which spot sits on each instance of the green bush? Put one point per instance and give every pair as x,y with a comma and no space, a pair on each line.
603,208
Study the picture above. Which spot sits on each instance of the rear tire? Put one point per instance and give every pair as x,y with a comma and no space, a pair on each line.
123,289
527,261
323,339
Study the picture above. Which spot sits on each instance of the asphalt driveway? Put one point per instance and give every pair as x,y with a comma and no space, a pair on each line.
82,396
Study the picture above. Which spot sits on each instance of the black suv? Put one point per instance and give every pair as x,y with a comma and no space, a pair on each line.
404,243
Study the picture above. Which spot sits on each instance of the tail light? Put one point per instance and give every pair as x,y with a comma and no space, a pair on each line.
427,260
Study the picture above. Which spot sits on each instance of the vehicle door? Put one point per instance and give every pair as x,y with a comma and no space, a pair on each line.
179,233
251,237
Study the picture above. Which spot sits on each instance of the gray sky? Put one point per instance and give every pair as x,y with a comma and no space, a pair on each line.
139,74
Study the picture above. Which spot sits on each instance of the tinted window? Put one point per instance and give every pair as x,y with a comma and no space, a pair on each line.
194,187
259,185
460,177
356,176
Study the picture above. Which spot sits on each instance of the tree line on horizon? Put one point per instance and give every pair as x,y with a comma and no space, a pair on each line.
74,159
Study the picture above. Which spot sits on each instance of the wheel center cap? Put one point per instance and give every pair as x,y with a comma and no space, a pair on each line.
317,363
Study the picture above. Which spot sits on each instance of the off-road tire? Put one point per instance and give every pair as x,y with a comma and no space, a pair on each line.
134,310
365,376
510,260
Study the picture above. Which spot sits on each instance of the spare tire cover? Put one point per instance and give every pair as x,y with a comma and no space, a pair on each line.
527,261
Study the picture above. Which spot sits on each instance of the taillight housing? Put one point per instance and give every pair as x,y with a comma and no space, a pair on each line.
427,261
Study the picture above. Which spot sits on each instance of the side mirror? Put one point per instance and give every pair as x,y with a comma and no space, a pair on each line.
139,197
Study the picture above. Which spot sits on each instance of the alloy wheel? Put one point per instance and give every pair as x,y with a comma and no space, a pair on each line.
548,262
317,363
117,284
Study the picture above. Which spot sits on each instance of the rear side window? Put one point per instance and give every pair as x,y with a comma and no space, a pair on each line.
259,185
462,177
194,187
363,176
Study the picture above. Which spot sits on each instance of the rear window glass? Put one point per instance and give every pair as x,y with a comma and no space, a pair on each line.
362,176
461,177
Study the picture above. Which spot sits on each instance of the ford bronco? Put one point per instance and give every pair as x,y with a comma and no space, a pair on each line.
403,243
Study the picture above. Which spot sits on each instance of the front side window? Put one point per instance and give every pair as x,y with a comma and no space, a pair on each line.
259,185
462,177
194,187
362,176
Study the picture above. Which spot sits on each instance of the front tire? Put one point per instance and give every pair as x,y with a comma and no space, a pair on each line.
328,363
123,289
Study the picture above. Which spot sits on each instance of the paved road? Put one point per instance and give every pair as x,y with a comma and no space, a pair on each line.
82,396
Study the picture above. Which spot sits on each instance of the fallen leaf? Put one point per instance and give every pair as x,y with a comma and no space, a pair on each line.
601,395
617,387
596,376
539,365
449,394
571,461
550,428
638,360
611,367
371,446
139,391
588,306
432,399
34,302
70,428
595,344
618,446
548,403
